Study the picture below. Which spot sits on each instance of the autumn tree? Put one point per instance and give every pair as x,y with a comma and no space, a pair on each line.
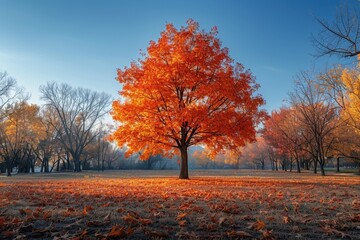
351,80
97,151
201,158
232,157
254,155
273,156
343,85
283,131
19,133
78,110
185,91
47,149
103,146
10,93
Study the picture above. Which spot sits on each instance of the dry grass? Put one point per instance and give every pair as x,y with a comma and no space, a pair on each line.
224,204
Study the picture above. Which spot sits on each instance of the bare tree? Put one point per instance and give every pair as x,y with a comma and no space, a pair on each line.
8,89
79,111
9,93
342,36
114,157
317,114
102,146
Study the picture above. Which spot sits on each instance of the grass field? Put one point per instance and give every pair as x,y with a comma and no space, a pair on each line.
214,204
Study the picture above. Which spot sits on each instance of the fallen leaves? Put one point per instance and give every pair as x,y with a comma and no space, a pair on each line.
157,208
287,220
87,209
180,216
355,204
238,234
133,218
25,211
258,225
119,232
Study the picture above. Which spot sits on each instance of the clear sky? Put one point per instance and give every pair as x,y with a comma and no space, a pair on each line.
83,42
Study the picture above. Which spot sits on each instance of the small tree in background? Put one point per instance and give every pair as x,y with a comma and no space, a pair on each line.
78,111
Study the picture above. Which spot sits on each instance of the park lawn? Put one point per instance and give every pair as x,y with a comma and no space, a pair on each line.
217,204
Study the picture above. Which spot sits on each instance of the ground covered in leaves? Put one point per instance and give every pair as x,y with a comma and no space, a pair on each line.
157,205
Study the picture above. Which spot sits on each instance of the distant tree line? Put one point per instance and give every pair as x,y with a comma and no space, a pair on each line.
319,126
67,133
321,121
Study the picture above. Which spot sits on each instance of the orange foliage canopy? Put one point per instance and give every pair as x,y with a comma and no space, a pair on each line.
185,91
282,130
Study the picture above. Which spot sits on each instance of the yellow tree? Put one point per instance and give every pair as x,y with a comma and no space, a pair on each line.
186,91
20,131
202,158
343,85
351,81
351,110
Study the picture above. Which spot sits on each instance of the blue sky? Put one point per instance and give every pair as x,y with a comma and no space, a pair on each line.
83,42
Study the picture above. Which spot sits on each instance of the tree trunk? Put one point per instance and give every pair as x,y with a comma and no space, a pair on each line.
322,169
64,164
307,165
58,165
2,168
42,166
52,167
338,164
68,167
46,164
77,165
9,168
298,165
98,163
184,169
67,161
32,162
315,166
